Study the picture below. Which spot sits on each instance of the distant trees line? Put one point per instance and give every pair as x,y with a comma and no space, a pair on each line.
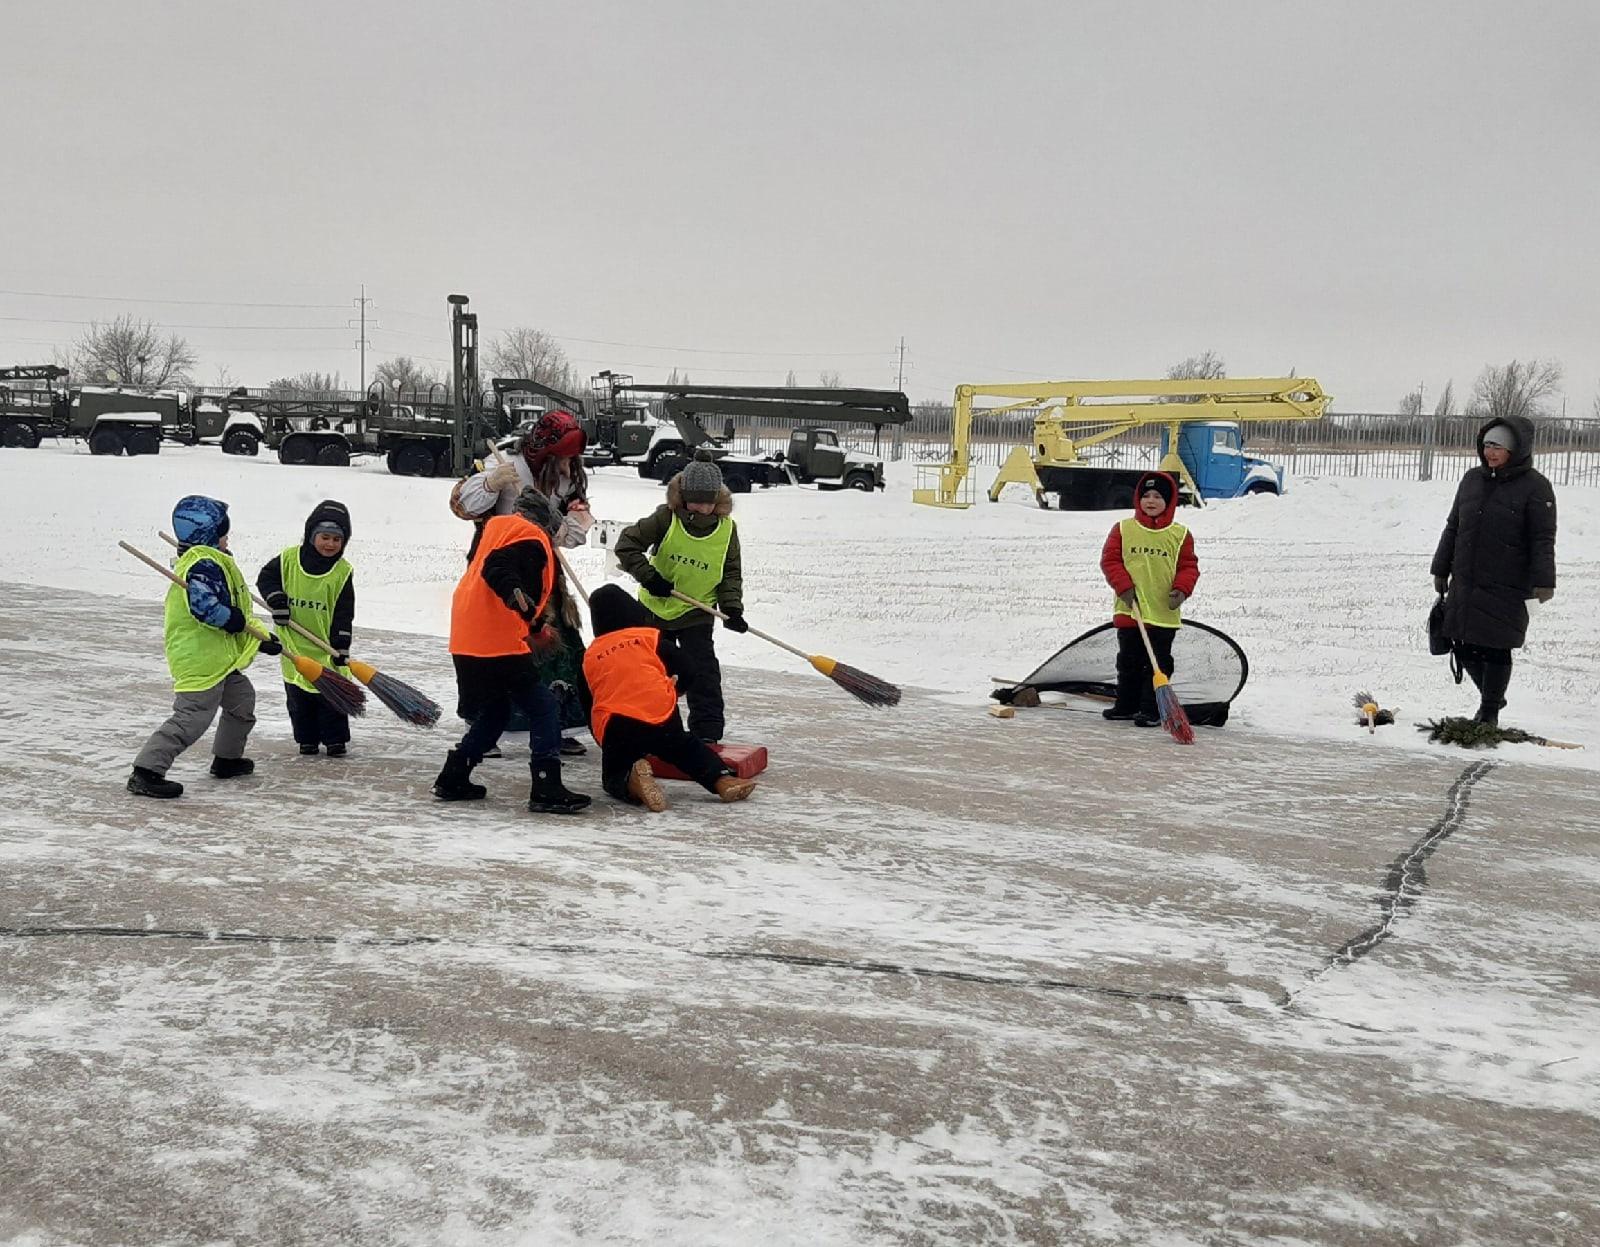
130,351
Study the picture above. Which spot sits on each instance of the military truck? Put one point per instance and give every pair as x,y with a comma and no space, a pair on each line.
30,412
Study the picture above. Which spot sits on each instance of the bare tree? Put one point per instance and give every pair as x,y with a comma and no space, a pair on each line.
676,378
1519,388
829,380
1446,406
1411,404
132,352
306,385
405,376
1595,410
225,378
790,382
1206,366
531,355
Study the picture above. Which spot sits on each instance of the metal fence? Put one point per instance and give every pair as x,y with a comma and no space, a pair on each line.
1412,448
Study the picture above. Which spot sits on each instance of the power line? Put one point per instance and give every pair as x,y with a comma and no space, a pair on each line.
113,298
58,320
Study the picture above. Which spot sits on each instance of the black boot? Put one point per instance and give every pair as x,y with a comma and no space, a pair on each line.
549,795
308,751
455,781
144,782
231,768
1496,679
572,747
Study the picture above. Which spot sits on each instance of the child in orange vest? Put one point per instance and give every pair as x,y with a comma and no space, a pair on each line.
1148,560
633,707
495,626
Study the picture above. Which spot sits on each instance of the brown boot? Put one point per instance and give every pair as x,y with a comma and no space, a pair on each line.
644,789
732,788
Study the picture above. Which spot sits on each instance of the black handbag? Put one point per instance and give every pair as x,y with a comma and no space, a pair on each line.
1438,643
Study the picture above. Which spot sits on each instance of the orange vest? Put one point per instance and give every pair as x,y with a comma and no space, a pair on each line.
626,676
481,625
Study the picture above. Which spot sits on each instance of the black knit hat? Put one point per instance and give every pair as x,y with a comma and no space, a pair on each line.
1158,482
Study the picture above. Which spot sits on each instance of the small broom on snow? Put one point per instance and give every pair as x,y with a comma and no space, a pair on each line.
343,695
863,687
1173,718
408,704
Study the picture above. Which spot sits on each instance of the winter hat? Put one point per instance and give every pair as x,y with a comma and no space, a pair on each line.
1502,435
199,521
1159,482
538,508
556,435
611,608
701,480
328,516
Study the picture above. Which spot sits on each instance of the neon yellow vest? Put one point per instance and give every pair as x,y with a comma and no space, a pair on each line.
198,655
1151,557
311,603
693,564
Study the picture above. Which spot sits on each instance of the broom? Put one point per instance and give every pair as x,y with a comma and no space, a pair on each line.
408,704
343,695
1173,719
859,684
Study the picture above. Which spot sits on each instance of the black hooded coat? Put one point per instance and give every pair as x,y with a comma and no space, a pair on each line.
269,581
1498,546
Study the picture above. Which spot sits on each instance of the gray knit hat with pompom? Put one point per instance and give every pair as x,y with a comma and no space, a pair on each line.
701,480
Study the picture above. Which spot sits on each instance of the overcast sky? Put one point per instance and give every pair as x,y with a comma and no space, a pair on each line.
1375,194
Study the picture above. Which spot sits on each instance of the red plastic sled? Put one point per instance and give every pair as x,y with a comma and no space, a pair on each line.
746,761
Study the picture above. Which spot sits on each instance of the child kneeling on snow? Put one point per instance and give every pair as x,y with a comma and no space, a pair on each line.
208,649
1149,562
314,586
690,543
496,624
628,672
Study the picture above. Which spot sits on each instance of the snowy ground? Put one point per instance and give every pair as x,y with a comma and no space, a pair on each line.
947,980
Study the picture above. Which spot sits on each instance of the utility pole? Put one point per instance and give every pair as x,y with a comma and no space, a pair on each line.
900,370
361,340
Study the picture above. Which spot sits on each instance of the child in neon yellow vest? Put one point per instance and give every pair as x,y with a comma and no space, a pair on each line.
208,647
314,585
1148,558
690,544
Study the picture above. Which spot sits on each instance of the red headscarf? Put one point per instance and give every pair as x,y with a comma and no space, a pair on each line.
557,435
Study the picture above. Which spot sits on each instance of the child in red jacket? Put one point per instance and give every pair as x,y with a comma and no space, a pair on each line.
1148,560
629,686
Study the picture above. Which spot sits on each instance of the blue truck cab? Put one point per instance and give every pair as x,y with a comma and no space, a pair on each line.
1213,451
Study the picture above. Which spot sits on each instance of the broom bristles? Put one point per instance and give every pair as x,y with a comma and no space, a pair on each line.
1173,718
409,704
343,695
864,687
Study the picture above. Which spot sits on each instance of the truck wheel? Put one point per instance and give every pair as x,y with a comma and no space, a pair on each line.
241,442
297,450
444,463
413,459
1261,487
21,435
736,481
333,455
860,480
144,441
667,465
391,461
106,442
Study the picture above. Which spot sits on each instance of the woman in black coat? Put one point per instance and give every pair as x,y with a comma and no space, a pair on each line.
1498,550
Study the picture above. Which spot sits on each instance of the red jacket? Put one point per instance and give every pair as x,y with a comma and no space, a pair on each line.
1184,578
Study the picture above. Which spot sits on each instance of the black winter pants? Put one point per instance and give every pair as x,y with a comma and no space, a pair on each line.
1134,688
313,720
493,686
627,740
701,682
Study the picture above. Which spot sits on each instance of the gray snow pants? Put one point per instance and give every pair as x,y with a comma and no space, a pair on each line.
192,713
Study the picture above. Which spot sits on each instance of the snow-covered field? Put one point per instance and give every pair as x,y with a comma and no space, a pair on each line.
947,980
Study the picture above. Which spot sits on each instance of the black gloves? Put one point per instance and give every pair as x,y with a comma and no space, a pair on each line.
657,584
733,621
278,604
339,658
272,646
1441,584
235,621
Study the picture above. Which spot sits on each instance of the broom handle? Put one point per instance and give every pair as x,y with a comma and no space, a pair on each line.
765,636
259,601
178,580
1145,636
